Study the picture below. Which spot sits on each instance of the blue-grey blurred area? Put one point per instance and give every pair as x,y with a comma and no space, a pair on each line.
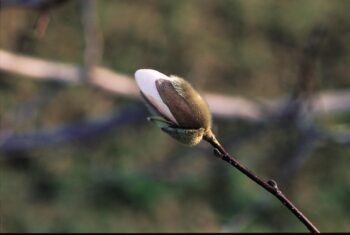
78,158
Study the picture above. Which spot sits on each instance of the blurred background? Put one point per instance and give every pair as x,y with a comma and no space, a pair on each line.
76,151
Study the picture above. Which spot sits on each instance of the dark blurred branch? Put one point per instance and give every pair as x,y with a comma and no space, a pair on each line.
300,102
41,23
222,106
298,111
43,7
92,36
65,134
31,4
307,63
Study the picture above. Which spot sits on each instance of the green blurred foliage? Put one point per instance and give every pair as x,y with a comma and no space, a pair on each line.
137,179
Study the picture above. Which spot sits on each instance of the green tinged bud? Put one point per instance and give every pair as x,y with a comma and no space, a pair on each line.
185,114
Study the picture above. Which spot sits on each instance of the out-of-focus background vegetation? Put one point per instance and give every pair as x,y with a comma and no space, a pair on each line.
134,178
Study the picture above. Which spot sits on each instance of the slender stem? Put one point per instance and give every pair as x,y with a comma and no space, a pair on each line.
270,185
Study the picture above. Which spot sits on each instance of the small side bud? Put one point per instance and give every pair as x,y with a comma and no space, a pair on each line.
272,183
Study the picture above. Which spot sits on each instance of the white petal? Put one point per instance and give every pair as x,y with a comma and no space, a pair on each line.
146,80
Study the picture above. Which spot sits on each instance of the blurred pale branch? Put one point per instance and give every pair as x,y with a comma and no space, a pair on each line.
324,103
46,70
222,106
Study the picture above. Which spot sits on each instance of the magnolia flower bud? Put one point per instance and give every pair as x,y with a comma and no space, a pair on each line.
185,114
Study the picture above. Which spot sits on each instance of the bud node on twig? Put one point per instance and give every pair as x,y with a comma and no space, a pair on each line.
272,183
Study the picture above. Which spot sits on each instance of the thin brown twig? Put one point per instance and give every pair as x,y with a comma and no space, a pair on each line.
270,185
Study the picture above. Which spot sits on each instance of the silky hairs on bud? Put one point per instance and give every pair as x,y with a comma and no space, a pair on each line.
175,100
